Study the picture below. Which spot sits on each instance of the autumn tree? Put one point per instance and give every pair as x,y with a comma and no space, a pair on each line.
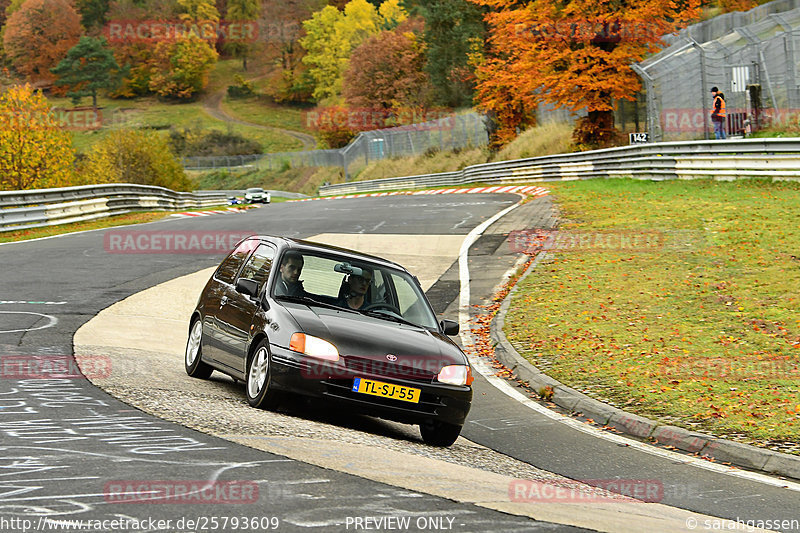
135,156
180,66
331,35
38,35
35,150
88,67
137,54
180,69
327,50
392,14
574,54
387,71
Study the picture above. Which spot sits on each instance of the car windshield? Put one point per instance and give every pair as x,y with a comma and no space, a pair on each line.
255,190
354,285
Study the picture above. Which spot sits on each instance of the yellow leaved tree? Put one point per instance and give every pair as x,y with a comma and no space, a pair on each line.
35,149
135,156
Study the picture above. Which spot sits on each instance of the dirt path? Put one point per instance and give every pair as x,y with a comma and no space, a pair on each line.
212,104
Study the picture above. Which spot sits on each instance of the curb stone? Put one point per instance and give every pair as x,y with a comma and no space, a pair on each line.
721,450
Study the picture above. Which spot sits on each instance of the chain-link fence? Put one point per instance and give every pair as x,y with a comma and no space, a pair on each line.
754,65
447,133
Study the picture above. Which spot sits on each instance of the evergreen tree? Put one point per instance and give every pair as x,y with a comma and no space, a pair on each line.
89,66
241,11
452,29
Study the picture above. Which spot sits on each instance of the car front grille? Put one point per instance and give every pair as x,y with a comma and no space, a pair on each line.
414,371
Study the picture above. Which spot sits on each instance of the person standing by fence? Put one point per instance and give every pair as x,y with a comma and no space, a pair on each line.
718,113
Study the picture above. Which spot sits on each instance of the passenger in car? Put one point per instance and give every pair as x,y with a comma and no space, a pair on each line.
289,283
356,287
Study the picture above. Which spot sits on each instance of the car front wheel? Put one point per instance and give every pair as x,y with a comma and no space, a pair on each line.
193,363
438,433
259,393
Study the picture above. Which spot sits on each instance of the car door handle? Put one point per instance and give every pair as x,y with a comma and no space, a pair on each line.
223,301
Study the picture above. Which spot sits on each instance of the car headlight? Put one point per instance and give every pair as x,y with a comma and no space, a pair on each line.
456,375
313,347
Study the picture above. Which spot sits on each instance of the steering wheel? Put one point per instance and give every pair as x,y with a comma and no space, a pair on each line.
383,305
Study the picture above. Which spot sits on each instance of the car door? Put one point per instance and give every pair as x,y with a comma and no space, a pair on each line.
216,298
236,316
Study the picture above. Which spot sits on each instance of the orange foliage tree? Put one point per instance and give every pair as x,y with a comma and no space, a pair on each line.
387,71
572,53
38,35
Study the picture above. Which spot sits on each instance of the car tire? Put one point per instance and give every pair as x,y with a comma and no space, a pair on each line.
193,361
259,378
436,433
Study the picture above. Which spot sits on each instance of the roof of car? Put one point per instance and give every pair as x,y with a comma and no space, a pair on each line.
299,244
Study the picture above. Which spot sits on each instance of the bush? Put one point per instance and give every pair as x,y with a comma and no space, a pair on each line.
135,156
242,88
189,143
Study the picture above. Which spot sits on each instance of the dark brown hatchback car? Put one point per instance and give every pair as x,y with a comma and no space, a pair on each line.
290,316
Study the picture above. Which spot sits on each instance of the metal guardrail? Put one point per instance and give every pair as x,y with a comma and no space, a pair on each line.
49,207
723,160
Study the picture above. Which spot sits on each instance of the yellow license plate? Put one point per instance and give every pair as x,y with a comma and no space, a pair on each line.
386,390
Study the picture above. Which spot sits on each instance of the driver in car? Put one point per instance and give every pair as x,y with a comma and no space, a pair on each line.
356,295
289,283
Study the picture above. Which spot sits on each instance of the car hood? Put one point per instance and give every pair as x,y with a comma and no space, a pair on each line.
363,337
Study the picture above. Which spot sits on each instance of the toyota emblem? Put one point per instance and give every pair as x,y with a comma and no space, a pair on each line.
391,357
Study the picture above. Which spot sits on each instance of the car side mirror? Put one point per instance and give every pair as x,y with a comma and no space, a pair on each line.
247,287
450,327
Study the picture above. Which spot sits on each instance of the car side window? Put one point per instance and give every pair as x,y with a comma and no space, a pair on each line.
226,272
259,265
378,291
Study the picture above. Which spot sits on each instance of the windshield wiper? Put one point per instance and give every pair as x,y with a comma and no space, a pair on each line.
391,316
312,301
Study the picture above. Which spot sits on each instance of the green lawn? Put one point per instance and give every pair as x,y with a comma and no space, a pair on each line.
703,331
260,110
153,113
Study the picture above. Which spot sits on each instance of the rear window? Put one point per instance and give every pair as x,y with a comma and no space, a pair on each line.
230,266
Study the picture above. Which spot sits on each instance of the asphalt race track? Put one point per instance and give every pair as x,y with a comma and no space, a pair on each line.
68,447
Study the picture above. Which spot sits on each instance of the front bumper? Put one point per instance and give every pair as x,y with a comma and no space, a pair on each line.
297,373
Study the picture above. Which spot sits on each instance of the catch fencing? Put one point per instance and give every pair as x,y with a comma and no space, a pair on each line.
751,57
447,133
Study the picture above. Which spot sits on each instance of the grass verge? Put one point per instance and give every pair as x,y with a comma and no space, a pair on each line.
702,331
